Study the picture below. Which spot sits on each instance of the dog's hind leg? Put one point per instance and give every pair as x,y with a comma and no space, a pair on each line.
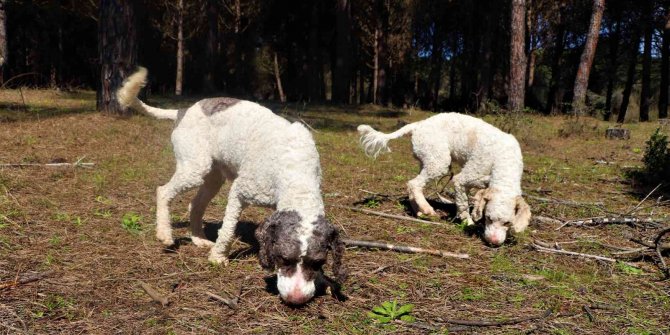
435,161
213,182
189,174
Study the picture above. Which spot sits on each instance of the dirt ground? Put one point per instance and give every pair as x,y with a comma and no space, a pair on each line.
86,234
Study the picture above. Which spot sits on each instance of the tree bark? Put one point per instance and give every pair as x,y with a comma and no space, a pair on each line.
553,100
375,69
3,39
615,29
315,89
117,45
180,49
645,90
436,67
342,70
280,89
517,72
210,47
582,79
630,78
665,67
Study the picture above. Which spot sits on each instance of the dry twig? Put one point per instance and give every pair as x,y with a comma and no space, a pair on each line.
402,248
545,247
24,280
658,248
163,300
488,323
391,216
232,303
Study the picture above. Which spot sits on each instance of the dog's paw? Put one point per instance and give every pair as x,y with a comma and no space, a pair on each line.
465,216
165,238
217,259
426,211
201,242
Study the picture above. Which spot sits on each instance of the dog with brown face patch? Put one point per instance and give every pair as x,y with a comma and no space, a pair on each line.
270,162
491,161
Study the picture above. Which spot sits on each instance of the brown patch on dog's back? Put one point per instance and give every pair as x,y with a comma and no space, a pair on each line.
472,139
214,105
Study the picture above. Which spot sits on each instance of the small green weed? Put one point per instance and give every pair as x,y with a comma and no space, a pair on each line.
469,294
372,203
131,222
105,213
389,311
627,269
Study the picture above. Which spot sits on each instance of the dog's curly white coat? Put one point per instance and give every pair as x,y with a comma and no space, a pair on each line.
489,158
270,161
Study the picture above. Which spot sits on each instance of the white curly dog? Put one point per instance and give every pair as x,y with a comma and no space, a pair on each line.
270,162
491,161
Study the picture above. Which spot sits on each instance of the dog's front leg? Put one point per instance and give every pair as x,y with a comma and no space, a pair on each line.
219,252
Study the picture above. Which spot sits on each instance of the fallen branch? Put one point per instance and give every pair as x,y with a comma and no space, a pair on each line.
232,303
658,248
565,202
402,248
487,323
643,200
544,247
78,163
631,221
390,216
24,280
154,294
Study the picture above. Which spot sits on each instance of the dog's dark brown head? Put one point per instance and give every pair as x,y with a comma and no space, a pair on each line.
298,250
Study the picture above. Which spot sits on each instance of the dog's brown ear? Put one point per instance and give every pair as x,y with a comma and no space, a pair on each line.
522,216
266,235
480,199
336,245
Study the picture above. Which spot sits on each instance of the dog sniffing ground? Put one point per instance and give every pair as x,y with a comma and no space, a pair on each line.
89,233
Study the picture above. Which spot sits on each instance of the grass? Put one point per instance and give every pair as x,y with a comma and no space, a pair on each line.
91,228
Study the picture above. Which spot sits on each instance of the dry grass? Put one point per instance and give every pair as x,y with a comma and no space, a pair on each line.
69,221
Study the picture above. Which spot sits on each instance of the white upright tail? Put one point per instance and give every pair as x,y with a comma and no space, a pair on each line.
375,142
127,96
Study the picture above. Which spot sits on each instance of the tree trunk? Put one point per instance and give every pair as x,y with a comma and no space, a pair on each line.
3,39
375,69
280,89
612,67
315,67
517,72
180,49
630,78
436,67
117,45
210,47
452,69
342,70
553,100
665,67
645,90
582,79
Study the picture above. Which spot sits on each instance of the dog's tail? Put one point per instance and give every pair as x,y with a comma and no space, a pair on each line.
127,96
374,142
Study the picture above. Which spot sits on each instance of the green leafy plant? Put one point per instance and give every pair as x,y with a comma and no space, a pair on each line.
131,222
657,157
390,310
372,203
627,269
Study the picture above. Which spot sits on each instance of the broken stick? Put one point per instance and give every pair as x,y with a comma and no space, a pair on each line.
403,248
385,215
539,247
154,294
24,280
232,303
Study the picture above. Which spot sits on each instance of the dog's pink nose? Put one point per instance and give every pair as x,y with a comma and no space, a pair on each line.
494,239
296,297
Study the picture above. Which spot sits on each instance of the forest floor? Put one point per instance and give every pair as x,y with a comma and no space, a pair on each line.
86,235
